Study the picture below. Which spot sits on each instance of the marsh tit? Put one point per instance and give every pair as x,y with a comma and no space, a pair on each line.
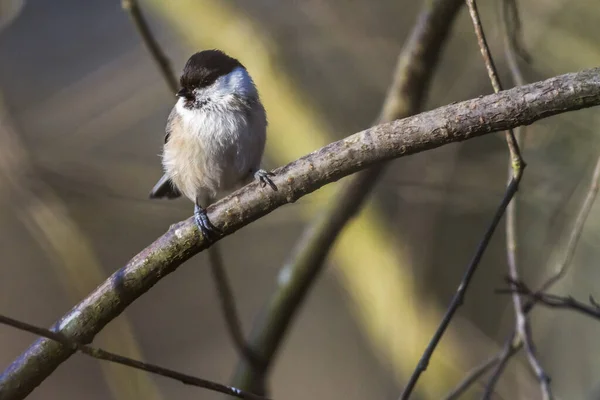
215,134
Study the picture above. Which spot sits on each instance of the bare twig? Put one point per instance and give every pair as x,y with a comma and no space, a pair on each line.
226,298
458,298
476,373
511,346
522,324
511,34
563,266
472,376
414,69
512,23
568,255
101,354
518,166
553,301
162,61
432,129
513,146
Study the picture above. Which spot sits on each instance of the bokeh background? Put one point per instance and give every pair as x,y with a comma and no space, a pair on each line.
83,114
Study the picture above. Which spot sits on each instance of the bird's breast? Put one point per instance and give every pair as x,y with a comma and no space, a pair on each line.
211,150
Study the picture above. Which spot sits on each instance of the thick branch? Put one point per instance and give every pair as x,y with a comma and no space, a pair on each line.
453,123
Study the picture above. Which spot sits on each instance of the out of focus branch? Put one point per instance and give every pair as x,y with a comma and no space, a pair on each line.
449,124
162,61
476,373
101,354
511,346
47,219
414,70
511,21
562,267
553,301
226,297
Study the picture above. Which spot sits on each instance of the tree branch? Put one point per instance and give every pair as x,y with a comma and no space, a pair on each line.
449,124
480,370
156,53
101,354
414,70
554,301
517,166
458,298
561,268
586,207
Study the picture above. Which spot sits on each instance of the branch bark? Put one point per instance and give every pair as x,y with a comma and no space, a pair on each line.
452,123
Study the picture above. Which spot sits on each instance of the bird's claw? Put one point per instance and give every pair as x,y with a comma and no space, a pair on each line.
208,230
263,177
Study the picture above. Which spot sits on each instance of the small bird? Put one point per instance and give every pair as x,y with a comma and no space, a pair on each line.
215,134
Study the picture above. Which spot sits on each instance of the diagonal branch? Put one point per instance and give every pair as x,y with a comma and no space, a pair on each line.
449,124
473,376
586,207
458,298
101,354
162,61
414,70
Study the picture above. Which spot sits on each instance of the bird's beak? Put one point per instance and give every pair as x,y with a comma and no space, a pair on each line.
183,92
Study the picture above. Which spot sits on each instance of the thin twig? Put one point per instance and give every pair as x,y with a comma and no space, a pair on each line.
226,298
476,373
458,298
414,69
472,376
563,266
522,324
511,346
101,354
227,301
553,301
569,251
512,22
131,6
518,166
449,124
512,36
513,146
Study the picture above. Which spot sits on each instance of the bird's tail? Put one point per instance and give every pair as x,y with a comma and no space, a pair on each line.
164,188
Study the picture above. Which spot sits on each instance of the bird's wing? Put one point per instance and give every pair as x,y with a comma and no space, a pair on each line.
168,128
165,187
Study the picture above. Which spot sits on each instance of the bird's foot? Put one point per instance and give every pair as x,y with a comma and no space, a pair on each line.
209,231
263,177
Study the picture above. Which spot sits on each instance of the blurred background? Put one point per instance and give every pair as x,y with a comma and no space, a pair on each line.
83,113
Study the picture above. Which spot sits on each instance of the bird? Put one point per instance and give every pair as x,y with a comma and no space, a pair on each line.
215,135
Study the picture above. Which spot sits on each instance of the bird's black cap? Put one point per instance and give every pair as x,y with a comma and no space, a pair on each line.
203,68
